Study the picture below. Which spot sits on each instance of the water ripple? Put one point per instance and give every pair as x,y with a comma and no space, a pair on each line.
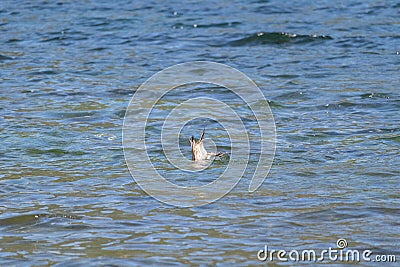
275,38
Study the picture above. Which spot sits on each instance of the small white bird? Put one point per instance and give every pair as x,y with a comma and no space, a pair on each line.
198,150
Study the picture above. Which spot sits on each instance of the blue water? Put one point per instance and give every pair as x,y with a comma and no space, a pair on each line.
330,71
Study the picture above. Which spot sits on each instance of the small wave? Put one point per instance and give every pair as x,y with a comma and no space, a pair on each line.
25,219
217,25
264,38
335,214
3,58
54,152
357,42
42,72
76,114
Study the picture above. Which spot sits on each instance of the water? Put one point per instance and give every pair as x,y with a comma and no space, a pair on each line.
69,68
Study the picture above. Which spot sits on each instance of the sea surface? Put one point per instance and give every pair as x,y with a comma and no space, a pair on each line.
330,71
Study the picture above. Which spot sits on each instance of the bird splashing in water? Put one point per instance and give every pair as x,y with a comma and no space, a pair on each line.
198,150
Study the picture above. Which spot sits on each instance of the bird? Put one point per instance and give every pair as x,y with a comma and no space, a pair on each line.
198,150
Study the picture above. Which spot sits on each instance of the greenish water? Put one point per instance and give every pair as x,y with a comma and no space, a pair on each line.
68,70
